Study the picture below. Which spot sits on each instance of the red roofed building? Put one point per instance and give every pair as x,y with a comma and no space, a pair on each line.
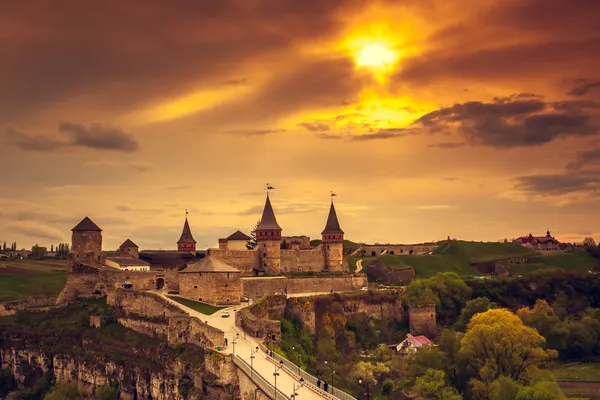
412,343
539,243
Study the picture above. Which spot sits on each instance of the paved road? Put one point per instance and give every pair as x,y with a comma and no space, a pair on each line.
244,346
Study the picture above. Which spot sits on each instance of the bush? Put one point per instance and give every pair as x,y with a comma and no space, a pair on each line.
388,386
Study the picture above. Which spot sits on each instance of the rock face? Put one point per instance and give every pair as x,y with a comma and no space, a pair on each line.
173,379
311,310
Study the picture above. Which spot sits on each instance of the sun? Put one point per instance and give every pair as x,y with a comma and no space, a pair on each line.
375,55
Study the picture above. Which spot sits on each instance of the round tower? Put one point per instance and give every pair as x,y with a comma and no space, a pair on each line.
333,242
86,242
268,240
186,242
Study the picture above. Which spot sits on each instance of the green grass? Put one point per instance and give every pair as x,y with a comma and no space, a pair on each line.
196,305
452,256
588,372
577,260
23,278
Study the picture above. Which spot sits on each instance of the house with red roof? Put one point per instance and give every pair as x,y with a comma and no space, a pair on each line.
412,343
539,243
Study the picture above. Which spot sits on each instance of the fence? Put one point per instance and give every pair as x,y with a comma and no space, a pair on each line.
259,380
308,378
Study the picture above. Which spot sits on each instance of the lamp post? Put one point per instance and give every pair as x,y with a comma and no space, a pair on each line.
367,393
252,357
331,365
297,359
294,393
235,338
276,374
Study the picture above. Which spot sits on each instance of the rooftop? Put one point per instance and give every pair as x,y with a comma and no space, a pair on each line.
128,243
129,261
238,235
86,225
209,264
268,220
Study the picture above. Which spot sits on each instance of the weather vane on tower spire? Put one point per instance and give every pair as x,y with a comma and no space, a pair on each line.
269,187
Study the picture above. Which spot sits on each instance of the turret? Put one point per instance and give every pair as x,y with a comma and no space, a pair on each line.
86,242
268,239
186,242
129,249
333,238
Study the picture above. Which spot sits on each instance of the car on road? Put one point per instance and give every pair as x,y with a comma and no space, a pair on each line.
225,314
364,288
244,299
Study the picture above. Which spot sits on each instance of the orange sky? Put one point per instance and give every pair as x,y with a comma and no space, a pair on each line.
428,118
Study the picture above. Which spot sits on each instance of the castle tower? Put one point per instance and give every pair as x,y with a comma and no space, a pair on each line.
333,238
86,242
268,239
129,249
186,242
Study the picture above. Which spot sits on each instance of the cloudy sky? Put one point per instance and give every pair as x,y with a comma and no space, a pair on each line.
474,119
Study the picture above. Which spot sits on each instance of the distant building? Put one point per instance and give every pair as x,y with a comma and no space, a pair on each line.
186,242
539,243
301,242
127,263
128,248
235,241
412,343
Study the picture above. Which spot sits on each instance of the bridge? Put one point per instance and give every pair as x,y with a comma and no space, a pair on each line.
276,376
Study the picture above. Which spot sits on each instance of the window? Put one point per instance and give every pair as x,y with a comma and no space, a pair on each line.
195,287
226,285
200,299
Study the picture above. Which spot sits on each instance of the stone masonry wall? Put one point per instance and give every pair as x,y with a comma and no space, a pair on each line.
310,310
151,315
34,303
220,288
422,320
244,260
263,286
368,250
261,319
85,281
296,260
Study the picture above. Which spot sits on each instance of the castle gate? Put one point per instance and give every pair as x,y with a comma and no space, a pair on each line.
160,283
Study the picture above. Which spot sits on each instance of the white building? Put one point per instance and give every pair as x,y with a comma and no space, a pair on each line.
127,263
235,241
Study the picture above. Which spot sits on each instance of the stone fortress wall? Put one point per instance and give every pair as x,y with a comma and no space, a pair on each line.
149,314
422,320
256,287
244,260
372,250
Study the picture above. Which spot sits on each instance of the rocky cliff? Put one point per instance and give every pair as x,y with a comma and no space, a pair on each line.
60,346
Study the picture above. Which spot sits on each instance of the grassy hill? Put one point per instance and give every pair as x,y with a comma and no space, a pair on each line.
452,256
576,260
20,279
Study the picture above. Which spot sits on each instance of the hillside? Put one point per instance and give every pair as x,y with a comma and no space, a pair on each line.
20,279
452,256
576,260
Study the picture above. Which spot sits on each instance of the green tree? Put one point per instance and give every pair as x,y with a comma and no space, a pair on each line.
424,359
65,391
498,343
4,247
472,307
543,390
368,372
432,386
447,290
251,243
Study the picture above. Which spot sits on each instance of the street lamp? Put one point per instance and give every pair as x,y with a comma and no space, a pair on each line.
252,357
297,359
367,393
276,374
331,365
294,393
237,335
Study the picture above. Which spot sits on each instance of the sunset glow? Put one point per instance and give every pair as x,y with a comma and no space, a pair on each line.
375,55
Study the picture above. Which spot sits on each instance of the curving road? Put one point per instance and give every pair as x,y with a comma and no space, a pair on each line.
245,345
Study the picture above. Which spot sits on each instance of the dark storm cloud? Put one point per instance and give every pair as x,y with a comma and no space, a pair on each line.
96,136
559,184
255,132
128,56
585,158
510,41
314,127
518,120
583,88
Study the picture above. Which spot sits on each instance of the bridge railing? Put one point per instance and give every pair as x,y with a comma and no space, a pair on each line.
308,378
257,378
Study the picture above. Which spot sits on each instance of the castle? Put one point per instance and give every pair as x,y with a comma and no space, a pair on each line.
220,275
274,255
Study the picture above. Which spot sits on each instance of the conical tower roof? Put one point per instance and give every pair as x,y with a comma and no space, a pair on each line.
186,234
128,243
268,220
86,225
332,225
